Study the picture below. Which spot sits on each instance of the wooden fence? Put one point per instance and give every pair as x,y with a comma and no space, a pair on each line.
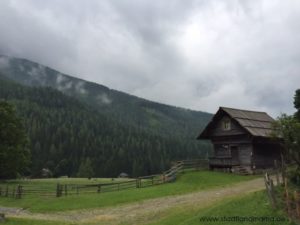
60,190
281,196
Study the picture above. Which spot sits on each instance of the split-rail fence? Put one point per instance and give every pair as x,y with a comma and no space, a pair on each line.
29,190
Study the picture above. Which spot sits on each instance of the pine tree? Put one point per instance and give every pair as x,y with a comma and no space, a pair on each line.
14,152
85,169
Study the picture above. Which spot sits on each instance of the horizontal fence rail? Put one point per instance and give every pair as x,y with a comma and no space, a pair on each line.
281,194
59,190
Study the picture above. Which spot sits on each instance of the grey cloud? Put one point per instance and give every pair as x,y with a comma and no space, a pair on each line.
4,62
197,54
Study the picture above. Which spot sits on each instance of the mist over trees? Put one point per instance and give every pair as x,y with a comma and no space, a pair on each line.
70,138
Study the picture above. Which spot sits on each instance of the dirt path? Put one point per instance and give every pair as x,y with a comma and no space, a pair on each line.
144,211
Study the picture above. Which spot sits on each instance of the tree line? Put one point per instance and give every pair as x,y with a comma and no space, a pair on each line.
287,127
67,137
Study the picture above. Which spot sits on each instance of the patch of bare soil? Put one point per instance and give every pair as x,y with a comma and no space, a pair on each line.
144,211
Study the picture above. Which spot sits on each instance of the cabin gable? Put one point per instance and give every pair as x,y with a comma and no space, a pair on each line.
226,126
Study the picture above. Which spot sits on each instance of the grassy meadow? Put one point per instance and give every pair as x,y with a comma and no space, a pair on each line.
189,182
254,205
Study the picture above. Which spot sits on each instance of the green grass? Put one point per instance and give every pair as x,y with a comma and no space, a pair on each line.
253,205
50,182
188,182
14,221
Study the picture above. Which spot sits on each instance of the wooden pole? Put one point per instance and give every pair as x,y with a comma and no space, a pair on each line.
13,192
287,198
18,194
297,200
283,169
99,188
276,172
58,191
6,191
270,190
272,193
21,191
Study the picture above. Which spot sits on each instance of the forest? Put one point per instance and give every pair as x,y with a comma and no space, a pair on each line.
68,137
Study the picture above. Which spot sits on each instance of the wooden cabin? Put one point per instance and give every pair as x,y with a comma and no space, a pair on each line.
241,140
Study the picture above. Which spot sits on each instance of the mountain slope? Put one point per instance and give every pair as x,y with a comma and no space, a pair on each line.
65,132
154,117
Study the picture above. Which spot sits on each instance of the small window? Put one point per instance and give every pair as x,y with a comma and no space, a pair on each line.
226,125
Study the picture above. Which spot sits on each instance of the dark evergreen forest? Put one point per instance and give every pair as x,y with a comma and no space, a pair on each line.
66,132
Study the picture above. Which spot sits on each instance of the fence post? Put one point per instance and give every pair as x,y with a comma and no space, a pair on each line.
66,189
297,201
287,200
198,164
99,189
276,172
137,183
58,190
77,190
283,175
270,190
274,203
19,192
6,191
13,192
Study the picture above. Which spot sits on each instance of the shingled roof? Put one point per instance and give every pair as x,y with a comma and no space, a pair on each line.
258,124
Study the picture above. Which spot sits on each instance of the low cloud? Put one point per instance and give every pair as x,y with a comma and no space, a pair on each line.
198,54
104,99
79,87
63,83
4,62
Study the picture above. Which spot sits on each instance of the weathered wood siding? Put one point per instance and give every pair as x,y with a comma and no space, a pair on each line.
221,151
265,154
235,128
245,152
236,139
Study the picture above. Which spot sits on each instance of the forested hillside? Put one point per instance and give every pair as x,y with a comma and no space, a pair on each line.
157,118
65,133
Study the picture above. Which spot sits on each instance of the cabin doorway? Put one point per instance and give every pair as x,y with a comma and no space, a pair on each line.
234,153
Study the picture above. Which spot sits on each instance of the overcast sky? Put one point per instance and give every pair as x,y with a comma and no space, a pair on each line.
193,54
